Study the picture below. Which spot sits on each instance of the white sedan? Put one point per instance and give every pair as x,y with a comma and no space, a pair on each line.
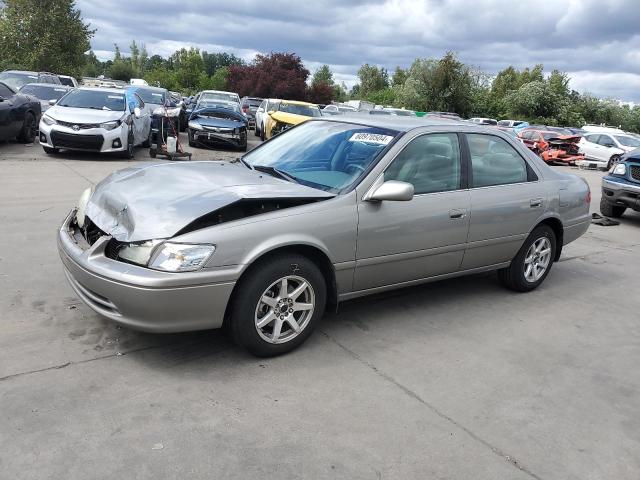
96,120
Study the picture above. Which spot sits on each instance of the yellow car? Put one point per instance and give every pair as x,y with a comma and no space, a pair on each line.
286,114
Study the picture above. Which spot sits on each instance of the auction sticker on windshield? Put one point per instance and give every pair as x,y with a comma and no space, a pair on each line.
371,138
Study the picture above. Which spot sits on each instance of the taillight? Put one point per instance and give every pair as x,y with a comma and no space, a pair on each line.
587,199
245,109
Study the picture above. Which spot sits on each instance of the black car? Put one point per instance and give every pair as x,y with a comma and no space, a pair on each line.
17,78
19,115
249,106
217,124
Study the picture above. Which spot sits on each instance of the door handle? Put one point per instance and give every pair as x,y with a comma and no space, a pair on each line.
535,203
456,213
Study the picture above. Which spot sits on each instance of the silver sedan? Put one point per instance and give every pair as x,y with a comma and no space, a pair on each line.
333,209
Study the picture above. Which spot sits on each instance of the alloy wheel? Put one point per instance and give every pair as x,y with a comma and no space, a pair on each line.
284,309
537,259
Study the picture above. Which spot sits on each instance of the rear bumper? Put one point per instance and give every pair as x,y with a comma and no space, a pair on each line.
621,193
138,297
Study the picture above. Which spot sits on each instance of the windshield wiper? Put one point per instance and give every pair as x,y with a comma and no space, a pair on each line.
278,172
244,162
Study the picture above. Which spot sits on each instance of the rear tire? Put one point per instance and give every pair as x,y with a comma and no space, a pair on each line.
609,210
288,319
532,263
256,130
147,142
262,133
28,131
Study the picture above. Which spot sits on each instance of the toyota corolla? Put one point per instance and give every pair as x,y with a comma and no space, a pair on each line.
327,211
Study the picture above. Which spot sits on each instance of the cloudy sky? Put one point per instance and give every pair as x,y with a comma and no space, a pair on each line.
596,41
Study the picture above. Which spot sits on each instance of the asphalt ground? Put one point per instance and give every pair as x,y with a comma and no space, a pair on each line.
459,379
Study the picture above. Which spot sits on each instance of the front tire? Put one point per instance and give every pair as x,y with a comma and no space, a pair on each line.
262,137
532,263
128,152
192,143
277,305
28,131
613,161
609,210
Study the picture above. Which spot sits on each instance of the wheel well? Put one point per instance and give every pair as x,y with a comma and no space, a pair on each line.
558,229
314,254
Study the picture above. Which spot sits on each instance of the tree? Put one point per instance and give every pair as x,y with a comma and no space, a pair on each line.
372,79
187,65
144,59
279,75
322,76
121,70
399,77
47,35
321,93
214,61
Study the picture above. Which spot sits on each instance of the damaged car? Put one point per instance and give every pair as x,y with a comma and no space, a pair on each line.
552,146
287,114
216,123
332,209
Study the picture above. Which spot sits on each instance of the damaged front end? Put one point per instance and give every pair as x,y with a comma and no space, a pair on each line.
284,121
564,149
217,126
142,209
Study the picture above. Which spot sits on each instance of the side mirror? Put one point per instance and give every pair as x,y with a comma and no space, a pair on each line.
393,190
52,102
137,112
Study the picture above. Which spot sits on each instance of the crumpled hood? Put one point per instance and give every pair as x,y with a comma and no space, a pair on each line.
290,118
154,201
83,115
227,119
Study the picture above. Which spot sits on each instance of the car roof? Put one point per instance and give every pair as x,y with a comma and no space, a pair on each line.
218,91
26,72
46,85
298,102
400,123
146,87
102,89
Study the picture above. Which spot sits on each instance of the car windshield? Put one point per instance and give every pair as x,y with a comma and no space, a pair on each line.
66,81
219,96
151,96
305,110
94,99
204,103
550,135
627,141
326,155
43,91
17,79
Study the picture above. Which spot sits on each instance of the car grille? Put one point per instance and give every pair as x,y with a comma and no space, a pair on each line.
81,126
635,172
70,140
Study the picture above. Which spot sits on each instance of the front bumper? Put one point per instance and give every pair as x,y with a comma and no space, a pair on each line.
589,163
141,298
220,138
87,140
621,192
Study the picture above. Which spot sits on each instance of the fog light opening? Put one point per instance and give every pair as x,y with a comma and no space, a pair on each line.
116,143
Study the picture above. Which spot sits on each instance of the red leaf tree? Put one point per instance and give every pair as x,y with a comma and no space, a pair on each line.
277,75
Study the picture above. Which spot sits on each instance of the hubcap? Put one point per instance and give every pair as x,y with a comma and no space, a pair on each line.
284,309
537,260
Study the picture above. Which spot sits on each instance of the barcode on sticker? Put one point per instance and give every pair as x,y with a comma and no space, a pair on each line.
371,138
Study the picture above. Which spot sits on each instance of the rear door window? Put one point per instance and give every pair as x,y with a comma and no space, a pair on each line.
494,161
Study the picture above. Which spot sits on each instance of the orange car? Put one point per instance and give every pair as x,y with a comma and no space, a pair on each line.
552,146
